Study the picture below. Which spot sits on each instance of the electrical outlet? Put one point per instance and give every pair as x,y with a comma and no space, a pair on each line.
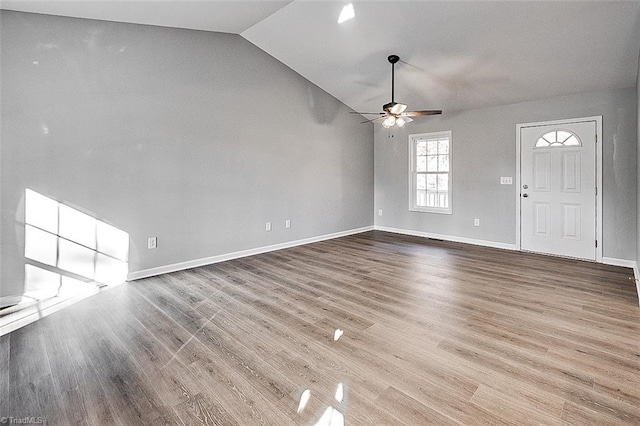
152,243
267,226
380,212
287,223
476,222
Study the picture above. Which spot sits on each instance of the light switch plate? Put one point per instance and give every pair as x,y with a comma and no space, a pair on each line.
506,180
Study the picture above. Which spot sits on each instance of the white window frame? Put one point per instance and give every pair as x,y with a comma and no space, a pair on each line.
413,139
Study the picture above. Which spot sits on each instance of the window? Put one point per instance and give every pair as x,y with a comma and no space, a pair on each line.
558,138
430,172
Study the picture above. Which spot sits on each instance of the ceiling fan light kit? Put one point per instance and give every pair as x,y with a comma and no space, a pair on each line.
394,113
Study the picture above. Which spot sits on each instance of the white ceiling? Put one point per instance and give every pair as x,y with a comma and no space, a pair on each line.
455,55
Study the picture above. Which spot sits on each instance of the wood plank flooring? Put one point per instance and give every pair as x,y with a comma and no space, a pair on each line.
433,333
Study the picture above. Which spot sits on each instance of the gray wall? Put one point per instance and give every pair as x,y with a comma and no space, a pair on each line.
638,181
197,138
484,148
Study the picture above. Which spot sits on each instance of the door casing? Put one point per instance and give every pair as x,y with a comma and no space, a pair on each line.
598,162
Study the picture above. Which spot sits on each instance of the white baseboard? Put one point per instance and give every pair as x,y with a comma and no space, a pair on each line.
636,275
452,238
145,273
619,262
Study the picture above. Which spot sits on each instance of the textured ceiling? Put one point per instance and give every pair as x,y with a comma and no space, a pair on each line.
455,55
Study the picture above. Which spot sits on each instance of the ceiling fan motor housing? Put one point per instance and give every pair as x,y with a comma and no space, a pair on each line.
387,107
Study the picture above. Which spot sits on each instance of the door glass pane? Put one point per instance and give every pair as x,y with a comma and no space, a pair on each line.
572,141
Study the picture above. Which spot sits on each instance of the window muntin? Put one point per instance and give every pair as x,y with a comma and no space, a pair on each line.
558,138
430,172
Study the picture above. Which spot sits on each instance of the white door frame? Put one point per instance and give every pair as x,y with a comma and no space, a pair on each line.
598,153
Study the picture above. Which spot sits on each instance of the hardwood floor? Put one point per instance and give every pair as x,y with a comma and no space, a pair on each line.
433,333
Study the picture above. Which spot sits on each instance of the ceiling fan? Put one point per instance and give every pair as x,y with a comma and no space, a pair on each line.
394,113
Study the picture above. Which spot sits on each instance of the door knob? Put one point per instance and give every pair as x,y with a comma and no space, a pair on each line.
525,186
525,195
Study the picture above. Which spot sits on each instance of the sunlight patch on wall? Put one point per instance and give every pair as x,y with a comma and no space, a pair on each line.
74,244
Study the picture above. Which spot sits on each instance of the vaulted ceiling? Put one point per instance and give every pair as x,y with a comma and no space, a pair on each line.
455,55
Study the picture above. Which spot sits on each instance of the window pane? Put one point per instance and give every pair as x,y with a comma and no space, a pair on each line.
421,198
432,182
443,163
563,136
443,146
551,137
444,200
77,226
76,258
41,211
572,141
432,163
443,182
432,199
421,164
40,246
421,148
432,147
421,181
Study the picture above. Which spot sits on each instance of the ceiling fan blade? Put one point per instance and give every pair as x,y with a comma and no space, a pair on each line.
374,119
366,113
421,113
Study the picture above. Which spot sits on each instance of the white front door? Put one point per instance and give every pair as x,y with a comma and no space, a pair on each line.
558,189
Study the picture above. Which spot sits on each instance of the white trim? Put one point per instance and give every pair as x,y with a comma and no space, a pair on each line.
412,183
452,238
145,273
598,152
620,262
636,276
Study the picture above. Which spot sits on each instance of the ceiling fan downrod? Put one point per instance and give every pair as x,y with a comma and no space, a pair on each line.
393,59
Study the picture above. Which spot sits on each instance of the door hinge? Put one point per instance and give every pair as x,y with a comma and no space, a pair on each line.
596,190
596,138
596,243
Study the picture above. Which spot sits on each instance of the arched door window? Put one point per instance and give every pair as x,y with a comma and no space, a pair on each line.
558,138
